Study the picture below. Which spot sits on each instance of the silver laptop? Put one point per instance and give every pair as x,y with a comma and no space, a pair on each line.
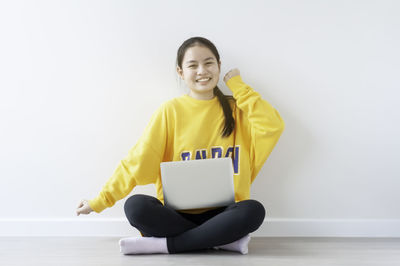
195,184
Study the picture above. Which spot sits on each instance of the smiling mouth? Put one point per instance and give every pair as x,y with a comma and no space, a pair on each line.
203,81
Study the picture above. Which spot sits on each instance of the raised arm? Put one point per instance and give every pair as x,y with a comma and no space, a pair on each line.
266,125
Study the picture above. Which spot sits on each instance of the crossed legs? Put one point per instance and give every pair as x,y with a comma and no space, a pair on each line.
186,232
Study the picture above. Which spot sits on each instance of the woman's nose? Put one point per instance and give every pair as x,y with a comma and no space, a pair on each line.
201,70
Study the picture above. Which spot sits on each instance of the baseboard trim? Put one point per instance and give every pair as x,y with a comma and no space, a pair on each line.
272,227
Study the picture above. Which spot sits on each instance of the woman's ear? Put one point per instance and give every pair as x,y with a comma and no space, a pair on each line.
179,70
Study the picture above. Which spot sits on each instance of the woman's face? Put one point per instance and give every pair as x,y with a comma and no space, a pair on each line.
200,63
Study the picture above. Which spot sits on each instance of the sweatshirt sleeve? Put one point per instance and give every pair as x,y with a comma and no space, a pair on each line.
266,125
141,166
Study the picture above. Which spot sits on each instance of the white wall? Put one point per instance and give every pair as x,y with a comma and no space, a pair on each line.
80,79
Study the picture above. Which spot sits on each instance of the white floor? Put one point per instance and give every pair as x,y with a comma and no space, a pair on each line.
262,251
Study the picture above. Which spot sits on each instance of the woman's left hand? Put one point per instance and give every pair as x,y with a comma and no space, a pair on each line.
231,74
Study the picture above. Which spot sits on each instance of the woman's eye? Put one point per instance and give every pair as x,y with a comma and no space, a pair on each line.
209,63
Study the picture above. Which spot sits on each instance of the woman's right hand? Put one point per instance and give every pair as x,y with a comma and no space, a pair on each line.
83,208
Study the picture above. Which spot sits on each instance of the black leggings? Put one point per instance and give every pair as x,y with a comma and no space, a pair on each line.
187,232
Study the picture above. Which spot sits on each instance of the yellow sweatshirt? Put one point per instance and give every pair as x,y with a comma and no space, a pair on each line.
184,128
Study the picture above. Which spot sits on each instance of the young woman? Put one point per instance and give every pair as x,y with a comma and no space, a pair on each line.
199,125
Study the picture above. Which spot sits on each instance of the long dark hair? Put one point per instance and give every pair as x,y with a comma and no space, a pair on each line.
223,99
229,125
